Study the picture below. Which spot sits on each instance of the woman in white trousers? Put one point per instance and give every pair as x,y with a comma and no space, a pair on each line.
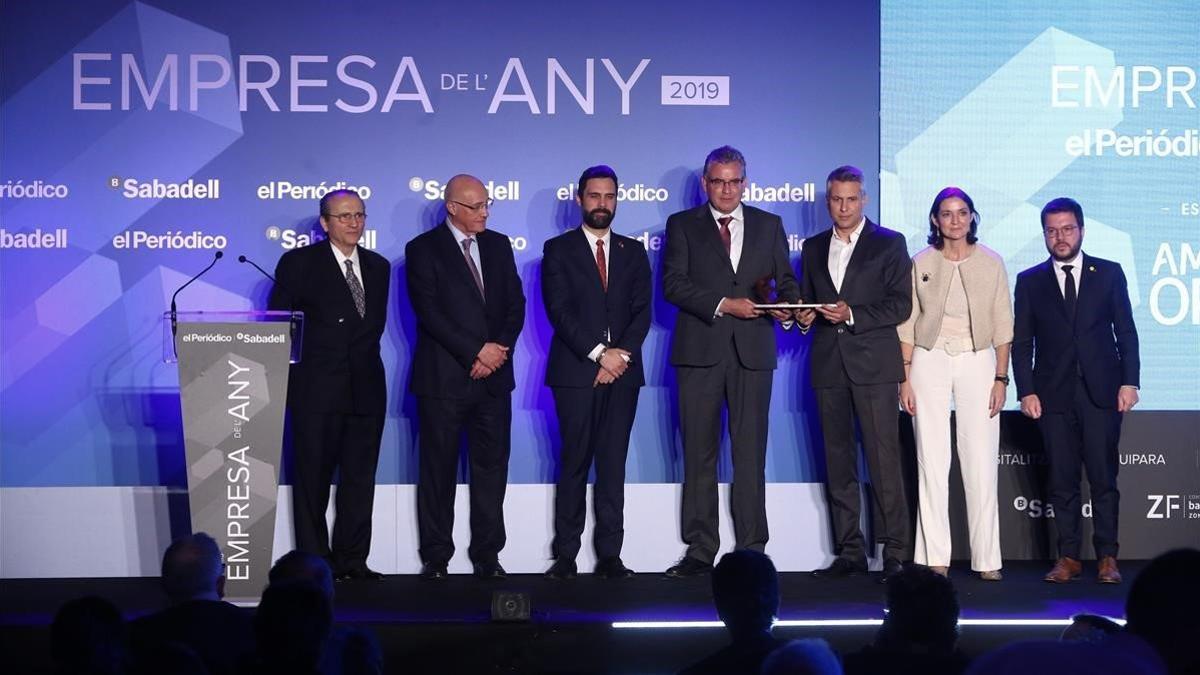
956,346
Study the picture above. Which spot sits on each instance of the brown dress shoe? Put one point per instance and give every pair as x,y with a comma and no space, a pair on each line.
1064,570
1109,574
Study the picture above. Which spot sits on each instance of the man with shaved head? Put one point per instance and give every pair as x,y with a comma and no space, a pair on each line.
464,289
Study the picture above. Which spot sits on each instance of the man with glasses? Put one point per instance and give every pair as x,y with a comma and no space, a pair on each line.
337,392
470,307
1075,358
718,255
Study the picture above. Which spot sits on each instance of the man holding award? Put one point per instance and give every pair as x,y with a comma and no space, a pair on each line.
723,349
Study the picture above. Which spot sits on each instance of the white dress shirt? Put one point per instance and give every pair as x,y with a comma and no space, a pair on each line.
840,252
459,236
353,258
594,355
1076,272
737,235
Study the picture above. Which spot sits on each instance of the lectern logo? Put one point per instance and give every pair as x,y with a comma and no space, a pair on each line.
237,476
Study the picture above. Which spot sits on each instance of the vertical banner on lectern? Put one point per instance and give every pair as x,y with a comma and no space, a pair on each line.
233,385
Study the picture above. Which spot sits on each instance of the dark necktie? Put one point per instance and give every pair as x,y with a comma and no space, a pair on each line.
726,236
601,265
1069,292
466,244
356,290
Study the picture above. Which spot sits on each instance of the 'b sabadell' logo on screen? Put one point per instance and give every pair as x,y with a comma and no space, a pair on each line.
136,188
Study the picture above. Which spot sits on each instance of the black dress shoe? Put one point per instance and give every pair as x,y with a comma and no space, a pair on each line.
562,569
490,570
612,568
891,567
841,567
433,571
688,567
359,574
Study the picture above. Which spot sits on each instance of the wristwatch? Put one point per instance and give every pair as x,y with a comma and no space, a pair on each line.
1002,378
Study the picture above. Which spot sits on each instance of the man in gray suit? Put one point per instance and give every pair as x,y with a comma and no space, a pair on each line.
718,255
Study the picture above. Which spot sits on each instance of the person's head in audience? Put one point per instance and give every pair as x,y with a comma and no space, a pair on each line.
192,569
745,589
292,625
88,636
922,611
300,565
1089,628
811,656
1163,608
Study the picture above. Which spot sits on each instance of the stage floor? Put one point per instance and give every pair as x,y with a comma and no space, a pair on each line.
446,626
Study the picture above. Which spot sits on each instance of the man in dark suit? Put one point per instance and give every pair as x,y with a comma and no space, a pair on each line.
337,393
860,272
465,292
1075,358
596,286
718,257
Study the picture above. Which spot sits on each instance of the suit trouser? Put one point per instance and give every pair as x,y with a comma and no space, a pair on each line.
324,442
595,423
487,420
702,393
1087,434
967,378
876,406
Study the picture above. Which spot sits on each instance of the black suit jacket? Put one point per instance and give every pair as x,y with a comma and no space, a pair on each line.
340,370
220,633
697,274
583,315
878,290
1102,339
453,322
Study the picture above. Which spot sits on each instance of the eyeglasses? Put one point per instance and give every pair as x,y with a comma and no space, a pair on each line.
347,218
719,184
1062,232
476,207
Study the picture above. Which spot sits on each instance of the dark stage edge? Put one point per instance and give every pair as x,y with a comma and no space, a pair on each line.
445,626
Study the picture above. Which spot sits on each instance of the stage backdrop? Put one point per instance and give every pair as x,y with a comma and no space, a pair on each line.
1018,104
139,138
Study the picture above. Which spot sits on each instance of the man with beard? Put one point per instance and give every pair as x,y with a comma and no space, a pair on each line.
596,286
1075,358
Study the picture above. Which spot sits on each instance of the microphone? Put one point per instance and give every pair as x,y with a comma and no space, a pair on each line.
244,259
174,326
288,291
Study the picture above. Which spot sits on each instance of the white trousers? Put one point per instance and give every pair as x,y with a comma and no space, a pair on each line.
967,378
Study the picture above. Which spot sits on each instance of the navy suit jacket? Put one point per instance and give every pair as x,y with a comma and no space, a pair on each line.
340,370
453,322
584,315
878,289
697,274
1047,344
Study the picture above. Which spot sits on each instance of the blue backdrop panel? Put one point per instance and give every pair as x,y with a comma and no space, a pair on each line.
138,138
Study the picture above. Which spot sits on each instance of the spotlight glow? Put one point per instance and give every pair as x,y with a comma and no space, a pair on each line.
841,623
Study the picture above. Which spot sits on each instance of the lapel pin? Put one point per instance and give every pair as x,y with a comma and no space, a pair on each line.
1091,268
925,277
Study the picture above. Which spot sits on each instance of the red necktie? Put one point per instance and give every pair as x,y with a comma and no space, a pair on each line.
601,265
726,237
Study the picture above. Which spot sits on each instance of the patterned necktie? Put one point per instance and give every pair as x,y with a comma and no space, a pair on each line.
601,265
356,290
1069,292
466,244
726,236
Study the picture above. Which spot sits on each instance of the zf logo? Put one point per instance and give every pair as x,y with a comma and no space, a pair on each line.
1161,506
